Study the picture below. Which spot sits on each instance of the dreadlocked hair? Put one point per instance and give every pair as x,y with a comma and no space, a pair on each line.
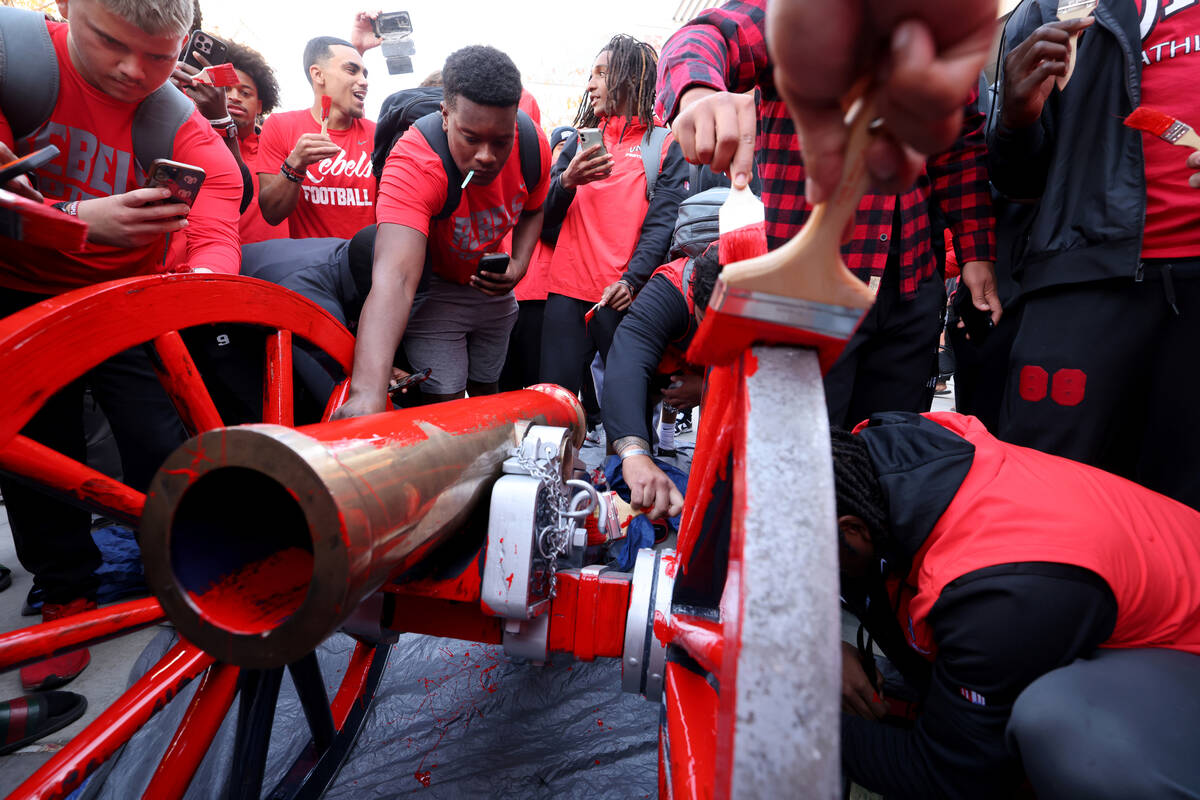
856,483
632,76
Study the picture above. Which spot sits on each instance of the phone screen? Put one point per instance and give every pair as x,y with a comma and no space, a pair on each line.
183,180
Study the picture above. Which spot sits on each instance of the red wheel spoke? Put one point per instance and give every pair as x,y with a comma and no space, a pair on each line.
66,476
37,642
353,681
277,379
691,733
63,773
701,638
183,383
195,733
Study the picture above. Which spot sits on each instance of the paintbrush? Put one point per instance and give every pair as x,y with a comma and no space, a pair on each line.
326,107
1072,9
1164,126
218,75
40,225
801,293
741,225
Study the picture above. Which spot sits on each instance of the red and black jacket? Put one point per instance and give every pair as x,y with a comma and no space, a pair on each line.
1004,563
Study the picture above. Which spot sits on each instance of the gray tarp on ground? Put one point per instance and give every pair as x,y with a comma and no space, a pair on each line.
480,724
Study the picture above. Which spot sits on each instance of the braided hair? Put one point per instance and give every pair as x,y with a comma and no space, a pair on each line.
632,76
857,484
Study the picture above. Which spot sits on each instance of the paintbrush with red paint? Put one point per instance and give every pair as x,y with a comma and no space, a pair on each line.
326,107
1164,126
218,75
802,293
38,224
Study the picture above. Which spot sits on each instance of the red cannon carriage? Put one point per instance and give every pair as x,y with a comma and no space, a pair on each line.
261,540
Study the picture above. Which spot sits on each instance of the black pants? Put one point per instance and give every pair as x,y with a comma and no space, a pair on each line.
1106,373
524,360
53,539
1118,725
568,345
886,363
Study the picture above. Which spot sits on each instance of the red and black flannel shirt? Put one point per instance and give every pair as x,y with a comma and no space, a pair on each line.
725,49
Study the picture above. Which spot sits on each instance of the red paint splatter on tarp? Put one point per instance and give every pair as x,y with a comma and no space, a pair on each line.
600,722
424,777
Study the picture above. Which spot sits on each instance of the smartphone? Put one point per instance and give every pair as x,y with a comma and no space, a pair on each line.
393,22
589,137
27,163
493,264
411,380
978,324
183,180
207,45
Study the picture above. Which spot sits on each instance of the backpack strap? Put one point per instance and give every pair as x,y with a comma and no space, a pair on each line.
28,70
528,151
157,119
652,144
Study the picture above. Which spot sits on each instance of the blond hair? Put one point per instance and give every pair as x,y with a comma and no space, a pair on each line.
155,17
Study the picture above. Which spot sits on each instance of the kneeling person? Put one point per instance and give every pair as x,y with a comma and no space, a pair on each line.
495,161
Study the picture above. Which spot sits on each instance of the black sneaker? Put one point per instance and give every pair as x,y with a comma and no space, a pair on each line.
683,426
33,603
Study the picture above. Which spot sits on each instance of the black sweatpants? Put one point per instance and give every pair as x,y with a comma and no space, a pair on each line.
524,360
1106,373
886,363
53,539
1119,724
568,345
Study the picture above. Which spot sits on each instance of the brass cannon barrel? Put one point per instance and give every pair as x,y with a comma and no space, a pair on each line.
260,540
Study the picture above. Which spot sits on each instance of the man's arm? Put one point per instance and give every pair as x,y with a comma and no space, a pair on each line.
657,317
277,195
997,630
961,191
213,241
395,274
659,223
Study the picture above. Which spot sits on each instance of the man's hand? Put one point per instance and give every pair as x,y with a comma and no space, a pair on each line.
362,35
617,296
359,404
859,697
496,284
20,184
980,278
1193,162
924,54
718,129
311,148
586,167
650,488
208,99
687,394
130,219
1030,70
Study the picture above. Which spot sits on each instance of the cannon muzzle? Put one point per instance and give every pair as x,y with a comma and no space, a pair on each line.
260,540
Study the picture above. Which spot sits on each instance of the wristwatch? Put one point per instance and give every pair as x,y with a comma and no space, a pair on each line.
229,130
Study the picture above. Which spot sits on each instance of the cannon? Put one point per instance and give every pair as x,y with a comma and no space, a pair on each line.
465,519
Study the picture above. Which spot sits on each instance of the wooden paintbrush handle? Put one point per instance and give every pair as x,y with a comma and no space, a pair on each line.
1190,139
1072,49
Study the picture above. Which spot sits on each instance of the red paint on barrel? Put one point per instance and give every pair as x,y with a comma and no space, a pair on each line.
260,595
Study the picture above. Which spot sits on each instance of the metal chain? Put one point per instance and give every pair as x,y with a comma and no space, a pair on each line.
553,539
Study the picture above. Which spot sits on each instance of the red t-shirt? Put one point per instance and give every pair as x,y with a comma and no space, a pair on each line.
93,133
536,283
252,226
1170,77
413,189
604,222
337,197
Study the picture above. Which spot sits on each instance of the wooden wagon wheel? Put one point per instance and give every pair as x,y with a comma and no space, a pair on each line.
46,347
744,618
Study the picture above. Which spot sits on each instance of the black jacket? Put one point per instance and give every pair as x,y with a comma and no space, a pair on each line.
1082,167
997,630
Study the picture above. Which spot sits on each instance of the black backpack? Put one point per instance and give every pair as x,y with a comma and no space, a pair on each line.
397,117
697,226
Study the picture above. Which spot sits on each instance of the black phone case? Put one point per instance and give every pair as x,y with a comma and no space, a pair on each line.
207,45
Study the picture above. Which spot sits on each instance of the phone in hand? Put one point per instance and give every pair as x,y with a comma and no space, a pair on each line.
397,386
184,180
213,49
492,264
392,22
978,324
27,163
589,137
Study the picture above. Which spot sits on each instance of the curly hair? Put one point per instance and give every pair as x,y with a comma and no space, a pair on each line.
857,484
632,74
483,75
706,268
252,62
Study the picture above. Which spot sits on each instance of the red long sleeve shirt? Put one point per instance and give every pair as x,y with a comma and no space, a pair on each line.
725,49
